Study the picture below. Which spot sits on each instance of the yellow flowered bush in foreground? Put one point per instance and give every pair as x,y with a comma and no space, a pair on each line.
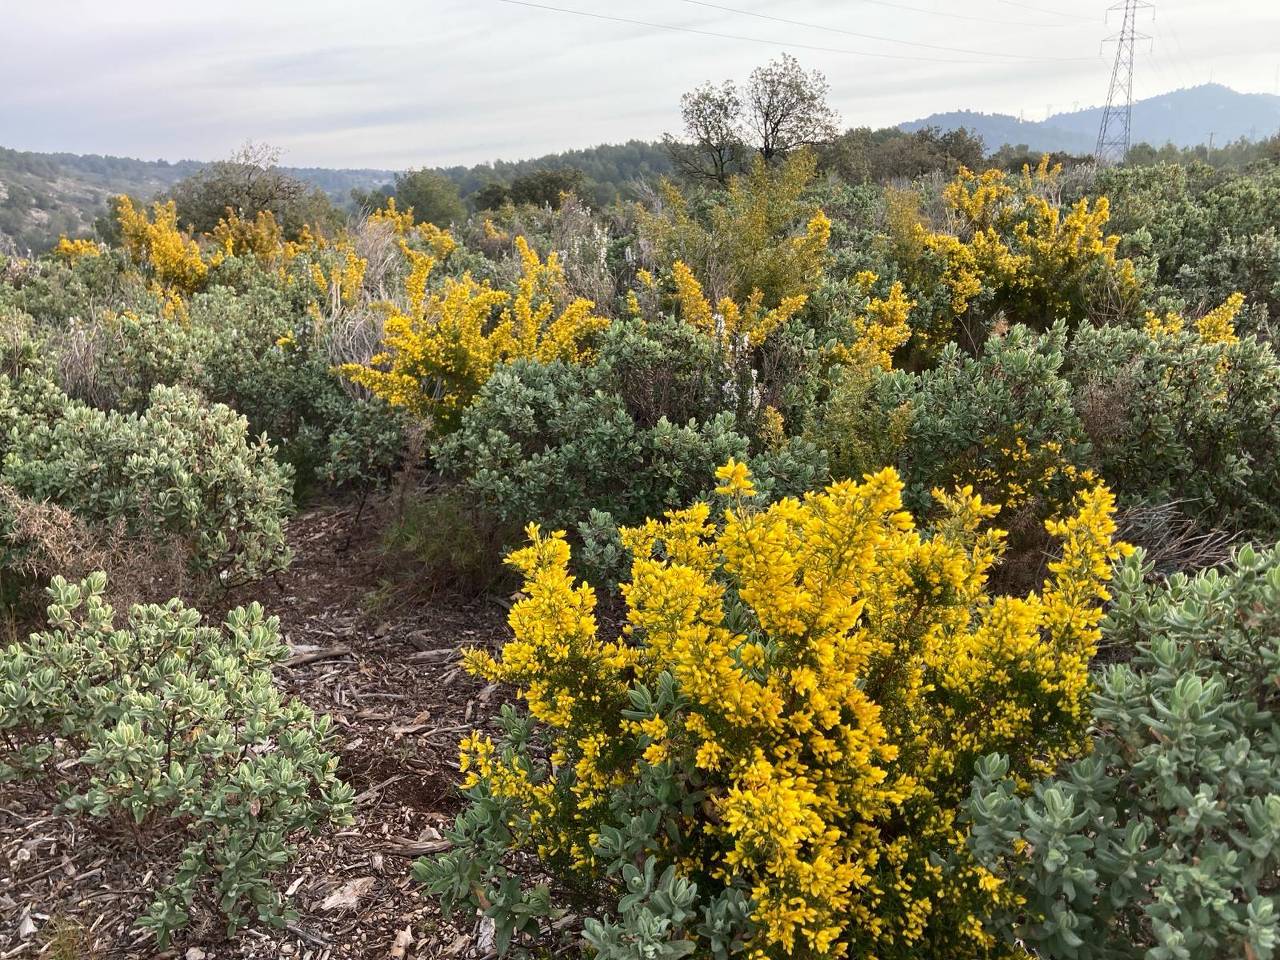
440,350
771,755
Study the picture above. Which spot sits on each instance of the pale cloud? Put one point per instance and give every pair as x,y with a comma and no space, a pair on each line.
395,83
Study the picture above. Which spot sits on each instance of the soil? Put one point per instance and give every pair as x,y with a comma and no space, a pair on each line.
389,678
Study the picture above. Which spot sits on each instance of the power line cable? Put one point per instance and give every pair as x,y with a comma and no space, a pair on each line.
735,36
958,16
1048,10
872,36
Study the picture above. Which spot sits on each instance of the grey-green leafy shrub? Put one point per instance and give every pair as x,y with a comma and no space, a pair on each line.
1164,843
1172,417
55,292
637,432
175,729
254,347
181,470
551,442
1199,234
1003,422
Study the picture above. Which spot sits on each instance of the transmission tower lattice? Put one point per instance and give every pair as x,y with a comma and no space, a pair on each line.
1113,136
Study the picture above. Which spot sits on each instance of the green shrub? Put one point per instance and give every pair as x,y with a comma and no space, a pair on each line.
864,422
1172,417
255,348
55,292
440,539
551,442
181,470
1198,234
176,729
1164,843
1003,422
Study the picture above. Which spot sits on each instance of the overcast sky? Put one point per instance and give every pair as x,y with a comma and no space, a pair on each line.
396,83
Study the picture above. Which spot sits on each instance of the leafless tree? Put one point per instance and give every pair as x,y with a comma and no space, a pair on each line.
787,108
712,118
781,109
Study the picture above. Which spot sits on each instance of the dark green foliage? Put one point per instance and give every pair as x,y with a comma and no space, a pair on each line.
431,195
545,188
1200,234
491,196
863,155
611,171
442,539
1002,422
546,442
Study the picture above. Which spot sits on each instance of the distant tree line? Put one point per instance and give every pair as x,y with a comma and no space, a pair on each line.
726,127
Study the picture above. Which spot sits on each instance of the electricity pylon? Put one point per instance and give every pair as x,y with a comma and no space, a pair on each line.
1113,135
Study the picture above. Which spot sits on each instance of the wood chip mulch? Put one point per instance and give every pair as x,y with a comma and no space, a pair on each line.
69,891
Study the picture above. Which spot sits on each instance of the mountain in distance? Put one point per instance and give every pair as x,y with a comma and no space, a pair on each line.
1185,118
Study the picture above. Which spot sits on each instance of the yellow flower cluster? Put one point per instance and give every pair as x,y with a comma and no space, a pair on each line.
261,238
737,329
400,222
881,330
1017,474
1216,326
440,350
156,242
838,673
338,277
73,250
1013,244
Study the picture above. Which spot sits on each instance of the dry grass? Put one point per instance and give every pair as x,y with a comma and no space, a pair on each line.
80,348
49,540
1174,541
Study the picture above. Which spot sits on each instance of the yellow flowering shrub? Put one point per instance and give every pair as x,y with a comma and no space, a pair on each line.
1216,326
762,235
1008,248
879,330
442,346
1219,324
156,242
73,250
338,276
400,222
858,424
736,328
261,238
789,718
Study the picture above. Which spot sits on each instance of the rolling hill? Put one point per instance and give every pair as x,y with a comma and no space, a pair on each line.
43,195
1185,118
